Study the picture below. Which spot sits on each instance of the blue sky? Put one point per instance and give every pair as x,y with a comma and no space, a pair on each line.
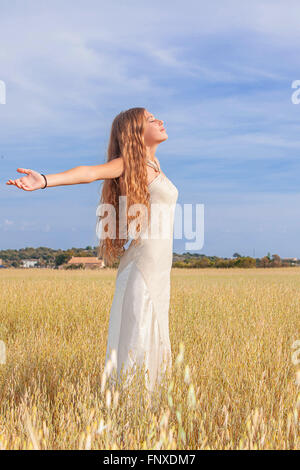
218,73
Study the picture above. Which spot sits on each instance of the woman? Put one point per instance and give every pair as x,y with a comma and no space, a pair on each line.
138,334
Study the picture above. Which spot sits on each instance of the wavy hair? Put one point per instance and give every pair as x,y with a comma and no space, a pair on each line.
126,140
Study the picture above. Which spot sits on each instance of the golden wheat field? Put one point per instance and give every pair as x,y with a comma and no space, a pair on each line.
233,383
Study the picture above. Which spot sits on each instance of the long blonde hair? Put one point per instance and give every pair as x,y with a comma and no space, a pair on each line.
126,140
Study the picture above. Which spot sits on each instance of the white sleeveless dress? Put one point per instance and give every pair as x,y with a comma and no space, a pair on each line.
138,330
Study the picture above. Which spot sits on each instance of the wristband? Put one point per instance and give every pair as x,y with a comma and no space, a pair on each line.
45,182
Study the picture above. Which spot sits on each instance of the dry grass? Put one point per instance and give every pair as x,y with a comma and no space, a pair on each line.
233,384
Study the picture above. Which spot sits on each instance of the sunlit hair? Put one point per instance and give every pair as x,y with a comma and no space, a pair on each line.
126,140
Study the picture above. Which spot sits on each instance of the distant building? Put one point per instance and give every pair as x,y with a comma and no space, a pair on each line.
89,262
292,261
29,263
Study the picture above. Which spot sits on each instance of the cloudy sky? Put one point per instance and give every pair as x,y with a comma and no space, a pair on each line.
219,74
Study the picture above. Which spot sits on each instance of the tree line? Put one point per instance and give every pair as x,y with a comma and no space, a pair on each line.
48,257
189,260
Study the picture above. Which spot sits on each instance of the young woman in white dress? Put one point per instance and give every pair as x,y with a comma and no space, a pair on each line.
138,333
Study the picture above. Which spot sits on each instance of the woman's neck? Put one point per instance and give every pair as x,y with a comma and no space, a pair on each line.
152,158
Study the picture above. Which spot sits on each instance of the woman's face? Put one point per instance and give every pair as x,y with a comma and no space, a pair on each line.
154,131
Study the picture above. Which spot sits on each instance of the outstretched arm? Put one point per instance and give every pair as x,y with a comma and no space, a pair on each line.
112,169
78,175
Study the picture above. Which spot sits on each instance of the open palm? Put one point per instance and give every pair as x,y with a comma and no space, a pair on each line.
32,181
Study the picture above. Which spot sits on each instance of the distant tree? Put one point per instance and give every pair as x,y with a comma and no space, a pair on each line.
62,258
236,255
264,262
246,262
221,263
179,264
276,261
202,263
75,266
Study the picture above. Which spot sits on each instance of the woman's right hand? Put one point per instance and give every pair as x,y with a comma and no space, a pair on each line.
31,182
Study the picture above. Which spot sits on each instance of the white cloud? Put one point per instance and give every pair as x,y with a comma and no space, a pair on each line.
67,65
6,224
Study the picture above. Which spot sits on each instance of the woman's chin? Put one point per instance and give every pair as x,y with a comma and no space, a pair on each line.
164,137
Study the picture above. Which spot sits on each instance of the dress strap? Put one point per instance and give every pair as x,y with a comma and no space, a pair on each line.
153,164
